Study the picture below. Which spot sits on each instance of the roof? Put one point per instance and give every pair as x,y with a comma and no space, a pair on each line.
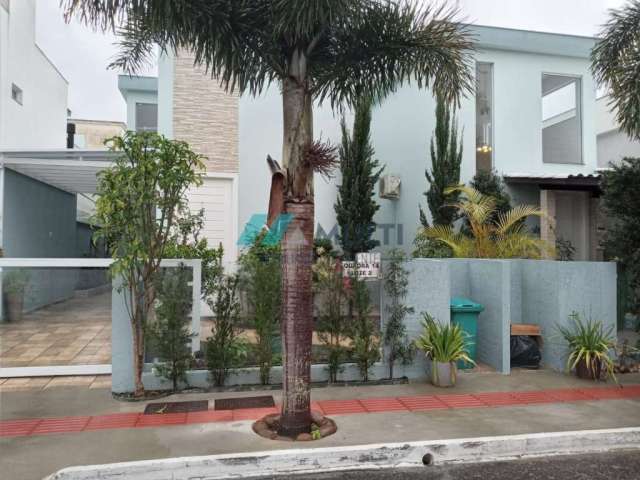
71,170
127,83
509,39
556,181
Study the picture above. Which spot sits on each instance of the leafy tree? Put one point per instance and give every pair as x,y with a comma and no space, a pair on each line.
260,282
171,333
622,204
396,281
331,328
505,238
355,205
615,62
366,346
225,348
446,157
138,202
313,50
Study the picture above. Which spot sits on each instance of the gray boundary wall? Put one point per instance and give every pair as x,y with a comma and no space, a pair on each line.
513,291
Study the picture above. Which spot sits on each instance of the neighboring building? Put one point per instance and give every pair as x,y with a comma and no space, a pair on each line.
532,119
613,144
33,102
92,134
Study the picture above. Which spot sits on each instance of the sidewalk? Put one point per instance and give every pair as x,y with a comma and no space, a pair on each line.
528,402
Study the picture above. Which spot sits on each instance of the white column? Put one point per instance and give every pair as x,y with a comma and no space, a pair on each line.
548,220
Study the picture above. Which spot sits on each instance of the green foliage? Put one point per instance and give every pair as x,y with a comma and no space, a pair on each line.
186,243
225,348
589,342
15,281
427,247
505,238
321,247
615,62
170,333
138,203
396,281
565,251
491,184
366,346
355,205
260,275
331,327
446,158
443,343
349,47
622,204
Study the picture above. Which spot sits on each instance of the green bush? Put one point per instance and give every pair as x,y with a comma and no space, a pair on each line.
225,348
442,343
366,345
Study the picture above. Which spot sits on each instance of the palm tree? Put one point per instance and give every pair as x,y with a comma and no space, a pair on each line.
505,237
615,62
314,50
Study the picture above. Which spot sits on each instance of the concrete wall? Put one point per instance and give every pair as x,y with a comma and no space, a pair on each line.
540,292
41,119
40,221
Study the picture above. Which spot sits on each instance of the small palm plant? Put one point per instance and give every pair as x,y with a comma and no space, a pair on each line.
589,346
444,345
492,234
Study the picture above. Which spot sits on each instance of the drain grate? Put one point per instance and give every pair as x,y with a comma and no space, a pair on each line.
264,401
176,407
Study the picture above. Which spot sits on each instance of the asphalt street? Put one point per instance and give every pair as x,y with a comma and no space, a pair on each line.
603,466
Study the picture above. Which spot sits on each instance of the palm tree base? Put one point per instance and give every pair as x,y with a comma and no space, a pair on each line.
270,427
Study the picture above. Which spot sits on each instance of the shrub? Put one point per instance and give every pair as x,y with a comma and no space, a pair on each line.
329,289
170,333
225,349
260,281
366,346
442,343
399,348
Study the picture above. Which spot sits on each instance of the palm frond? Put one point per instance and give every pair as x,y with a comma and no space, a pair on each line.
513,219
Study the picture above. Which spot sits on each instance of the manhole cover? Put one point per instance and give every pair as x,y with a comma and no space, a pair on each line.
176,407
246,402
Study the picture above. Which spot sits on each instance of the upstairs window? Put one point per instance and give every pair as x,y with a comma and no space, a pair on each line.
561,119
484,116
146,117
16,93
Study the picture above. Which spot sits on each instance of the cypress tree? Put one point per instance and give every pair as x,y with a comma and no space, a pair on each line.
446,157
355,206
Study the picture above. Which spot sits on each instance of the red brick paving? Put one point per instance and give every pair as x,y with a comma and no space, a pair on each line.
43,426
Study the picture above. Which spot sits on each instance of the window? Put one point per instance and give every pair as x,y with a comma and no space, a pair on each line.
561,119
484,116
16,93
146,117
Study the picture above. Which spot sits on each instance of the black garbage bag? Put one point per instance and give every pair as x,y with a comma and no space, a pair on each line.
525,352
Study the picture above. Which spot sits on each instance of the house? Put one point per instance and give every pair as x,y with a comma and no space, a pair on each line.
613,144
532,118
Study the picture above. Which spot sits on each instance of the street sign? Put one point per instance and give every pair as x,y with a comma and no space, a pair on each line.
366,265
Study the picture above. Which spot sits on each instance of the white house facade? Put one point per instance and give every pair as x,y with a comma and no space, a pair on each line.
532,119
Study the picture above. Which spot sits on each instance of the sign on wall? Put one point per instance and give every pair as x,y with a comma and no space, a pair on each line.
366,265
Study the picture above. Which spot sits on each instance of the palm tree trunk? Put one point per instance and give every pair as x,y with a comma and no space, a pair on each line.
297,257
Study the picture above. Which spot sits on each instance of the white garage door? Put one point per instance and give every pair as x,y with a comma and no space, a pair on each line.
215,197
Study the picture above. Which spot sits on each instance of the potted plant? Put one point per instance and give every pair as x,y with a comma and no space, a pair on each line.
14,285
589,348
444,345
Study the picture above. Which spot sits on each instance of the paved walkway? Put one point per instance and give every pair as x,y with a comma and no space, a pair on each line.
44,426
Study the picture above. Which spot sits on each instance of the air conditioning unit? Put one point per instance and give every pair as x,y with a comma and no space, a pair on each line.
390,187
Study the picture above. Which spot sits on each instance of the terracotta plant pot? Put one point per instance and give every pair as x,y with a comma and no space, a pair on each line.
444,374
15,304
589,371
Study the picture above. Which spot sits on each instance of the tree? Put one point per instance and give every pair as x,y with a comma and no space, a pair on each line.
313,50
446,157
138,200
170,333
622,204
615,62
506,237
490,184
355,206
364,338
396,281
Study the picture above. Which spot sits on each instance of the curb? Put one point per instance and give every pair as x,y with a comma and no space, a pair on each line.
377,456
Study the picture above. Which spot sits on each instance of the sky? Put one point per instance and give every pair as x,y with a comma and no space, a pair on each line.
82,55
